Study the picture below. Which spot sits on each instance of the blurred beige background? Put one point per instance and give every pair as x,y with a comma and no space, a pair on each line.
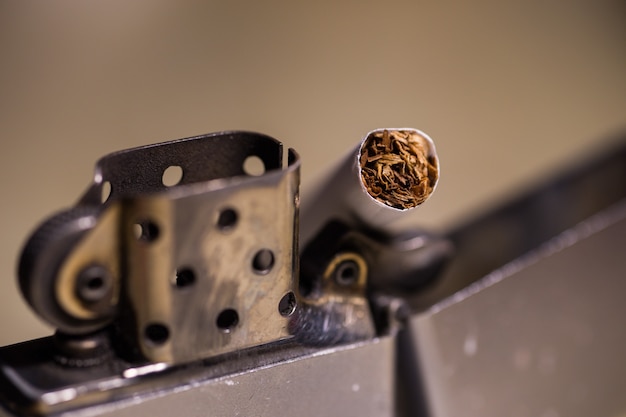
508,90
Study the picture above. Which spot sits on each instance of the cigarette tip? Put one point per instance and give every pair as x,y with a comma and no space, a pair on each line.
398,167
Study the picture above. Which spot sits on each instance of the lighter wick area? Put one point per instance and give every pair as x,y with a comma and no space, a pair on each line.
397,168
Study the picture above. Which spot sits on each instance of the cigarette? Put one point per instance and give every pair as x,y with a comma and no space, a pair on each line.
388,174
398,167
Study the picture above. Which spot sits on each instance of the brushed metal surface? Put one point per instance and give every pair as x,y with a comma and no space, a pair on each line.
544,337
333,383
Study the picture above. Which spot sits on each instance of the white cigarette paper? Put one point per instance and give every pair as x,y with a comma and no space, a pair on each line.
390,172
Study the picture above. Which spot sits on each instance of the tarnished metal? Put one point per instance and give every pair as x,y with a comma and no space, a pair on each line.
233,303
97,249
335,309
44,264
231,235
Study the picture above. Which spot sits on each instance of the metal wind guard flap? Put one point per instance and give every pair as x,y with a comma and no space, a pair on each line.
186,267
